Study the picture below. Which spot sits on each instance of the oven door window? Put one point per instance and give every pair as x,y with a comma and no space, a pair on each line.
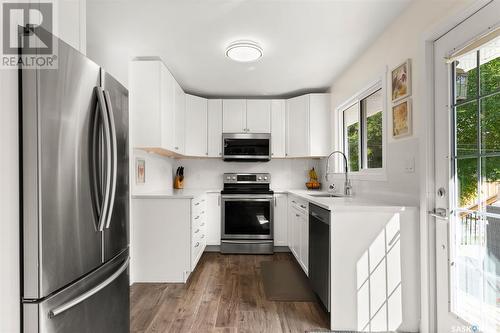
247,218
246,147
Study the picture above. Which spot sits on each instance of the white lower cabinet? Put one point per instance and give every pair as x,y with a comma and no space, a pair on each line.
213,218
168,238
298,230
280,220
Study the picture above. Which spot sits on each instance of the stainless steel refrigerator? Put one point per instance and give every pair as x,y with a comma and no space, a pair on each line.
75,198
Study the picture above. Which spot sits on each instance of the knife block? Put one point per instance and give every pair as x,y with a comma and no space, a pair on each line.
179,182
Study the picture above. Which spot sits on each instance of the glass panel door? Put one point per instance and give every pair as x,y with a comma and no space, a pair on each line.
475,206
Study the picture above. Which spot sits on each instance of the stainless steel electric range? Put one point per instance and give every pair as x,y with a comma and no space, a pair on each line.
247,213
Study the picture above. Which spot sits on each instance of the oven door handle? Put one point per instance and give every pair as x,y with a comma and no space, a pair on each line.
239,197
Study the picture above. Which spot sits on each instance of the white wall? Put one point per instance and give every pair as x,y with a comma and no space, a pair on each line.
9,204
402,40
159,173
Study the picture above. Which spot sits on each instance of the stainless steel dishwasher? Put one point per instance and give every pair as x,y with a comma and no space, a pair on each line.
319,253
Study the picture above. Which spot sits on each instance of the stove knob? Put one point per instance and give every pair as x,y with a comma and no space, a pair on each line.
260,178
228,177
234,178
265,178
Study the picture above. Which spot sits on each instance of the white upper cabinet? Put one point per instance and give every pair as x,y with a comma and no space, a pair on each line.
167,108
278,128
258,116
214,129
196,126
234,115
146,98
308,126
179,118
246,116
297,127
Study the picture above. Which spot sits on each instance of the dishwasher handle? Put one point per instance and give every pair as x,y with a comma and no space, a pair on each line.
319,217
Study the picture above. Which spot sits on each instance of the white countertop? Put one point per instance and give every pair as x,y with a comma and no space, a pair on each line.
175,194
357,202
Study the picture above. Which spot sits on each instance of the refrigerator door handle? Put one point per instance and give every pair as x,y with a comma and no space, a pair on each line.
107,133
77,300
114,157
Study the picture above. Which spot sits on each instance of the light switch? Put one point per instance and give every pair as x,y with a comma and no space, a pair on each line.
410,164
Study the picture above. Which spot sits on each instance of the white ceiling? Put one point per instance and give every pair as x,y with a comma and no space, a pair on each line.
307,43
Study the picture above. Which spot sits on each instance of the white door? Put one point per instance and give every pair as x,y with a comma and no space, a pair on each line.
297,144
259,116
179,118
234,115
280,220
278,125
196,126
467,177
214,127
213,218
167,108
304,242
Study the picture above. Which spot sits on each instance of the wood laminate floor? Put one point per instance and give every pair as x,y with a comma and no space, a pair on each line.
225,294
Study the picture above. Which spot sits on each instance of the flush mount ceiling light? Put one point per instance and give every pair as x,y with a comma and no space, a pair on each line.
244,51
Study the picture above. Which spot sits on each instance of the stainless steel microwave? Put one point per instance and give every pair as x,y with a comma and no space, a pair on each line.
246,147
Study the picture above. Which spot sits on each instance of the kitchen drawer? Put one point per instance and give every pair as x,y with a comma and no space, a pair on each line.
198,206
300,204
196,252
197,231
198,219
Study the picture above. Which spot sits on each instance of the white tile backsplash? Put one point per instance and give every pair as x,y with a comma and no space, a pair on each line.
285,173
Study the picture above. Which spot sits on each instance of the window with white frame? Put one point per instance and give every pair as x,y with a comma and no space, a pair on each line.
362,130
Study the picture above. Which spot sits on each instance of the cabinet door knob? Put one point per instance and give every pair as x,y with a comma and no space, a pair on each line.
176,148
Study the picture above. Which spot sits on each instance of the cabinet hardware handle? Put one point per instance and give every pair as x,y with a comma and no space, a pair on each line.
297,215
274,198
303,206
176,148
202,212
197,217
197,231
197,204
294,201
202,236
197,244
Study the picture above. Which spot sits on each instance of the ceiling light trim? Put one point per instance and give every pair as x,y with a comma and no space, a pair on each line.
244,51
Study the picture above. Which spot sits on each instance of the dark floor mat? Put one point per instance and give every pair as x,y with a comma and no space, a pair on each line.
285,281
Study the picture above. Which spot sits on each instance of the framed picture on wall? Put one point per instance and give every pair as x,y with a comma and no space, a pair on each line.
401,119
140,171
401,81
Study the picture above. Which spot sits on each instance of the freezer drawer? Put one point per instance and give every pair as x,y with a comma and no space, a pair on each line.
99,303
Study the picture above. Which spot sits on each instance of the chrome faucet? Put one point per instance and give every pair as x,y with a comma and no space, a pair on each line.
347,184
